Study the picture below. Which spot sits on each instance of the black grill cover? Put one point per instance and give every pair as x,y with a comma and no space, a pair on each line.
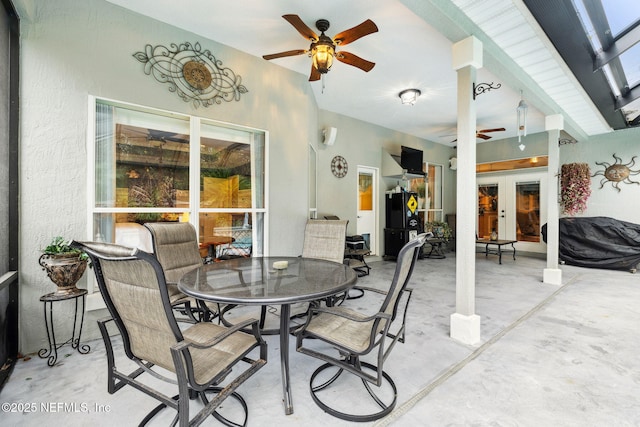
598,242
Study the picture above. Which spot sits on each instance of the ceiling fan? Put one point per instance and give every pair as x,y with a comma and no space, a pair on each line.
323,48
481,133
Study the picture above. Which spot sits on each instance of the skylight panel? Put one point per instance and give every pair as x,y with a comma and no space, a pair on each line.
631,64
621,14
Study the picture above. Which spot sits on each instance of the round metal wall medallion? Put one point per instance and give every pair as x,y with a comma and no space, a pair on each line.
197,75
339,166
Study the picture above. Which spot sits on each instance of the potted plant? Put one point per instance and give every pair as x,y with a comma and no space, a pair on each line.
440,230
64,265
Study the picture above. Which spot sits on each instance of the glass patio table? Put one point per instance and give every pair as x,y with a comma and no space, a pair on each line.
256,281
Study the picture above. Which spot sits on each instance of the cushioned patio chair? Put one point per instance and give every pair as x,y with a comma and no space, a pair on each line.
353,334
200,357
175,245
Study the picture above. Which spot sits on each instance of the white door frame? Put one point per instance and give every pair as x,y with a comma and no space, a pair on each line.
507,205
373,234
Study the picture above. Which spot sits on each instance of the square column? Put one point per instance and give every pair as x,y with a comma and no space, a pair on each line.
553,274
465,324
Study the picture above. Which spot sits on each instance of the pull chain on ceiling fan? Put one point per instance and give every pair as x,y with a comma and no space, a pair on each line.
323,48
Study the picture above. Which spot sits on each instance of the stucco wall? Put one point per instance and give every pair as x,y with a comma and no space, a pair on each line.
508,149
607,201
71,50
362,143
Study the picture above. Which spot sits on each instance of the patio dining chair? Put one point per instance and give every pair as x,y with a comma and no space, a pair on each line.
175,245
326,239
352,335
199,358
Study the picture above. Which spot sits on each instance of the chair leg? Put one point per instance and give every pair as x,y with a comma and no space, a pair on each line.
386,408
219,417
155,411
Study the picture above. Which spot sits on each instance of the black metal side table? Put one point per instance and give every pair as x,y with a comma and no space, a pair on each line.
49,299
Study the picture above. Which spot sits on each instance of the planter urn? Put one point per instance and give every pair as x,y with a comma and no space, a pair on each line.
64,270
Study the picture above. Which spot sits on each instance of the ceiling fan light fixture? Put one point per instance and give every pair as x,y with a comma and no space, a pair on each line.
322,54
409,96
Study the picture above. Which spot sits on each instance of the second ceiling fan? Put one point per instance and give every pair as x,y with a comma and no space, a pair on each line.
323,48
481,133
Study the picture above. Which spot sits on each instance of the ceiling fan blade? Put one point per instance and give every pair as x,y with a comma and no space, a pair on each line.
353,34
492,130
302,28
284,54
481,136
356,61
315,74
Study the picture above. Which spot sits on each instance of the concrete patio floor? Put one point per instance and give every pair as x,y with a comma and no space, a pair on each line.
550,356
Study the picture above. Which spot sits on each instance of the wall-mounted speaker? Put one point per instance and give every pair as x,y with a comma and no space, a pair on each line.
329,135
453,163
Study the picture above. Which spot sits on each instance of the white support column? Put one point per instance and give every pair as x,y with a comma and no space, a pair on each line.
553,274
465,324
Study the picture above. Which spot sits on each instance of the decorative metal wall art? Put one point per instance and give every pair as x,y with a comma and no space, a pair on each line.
617,172
339,166
193,74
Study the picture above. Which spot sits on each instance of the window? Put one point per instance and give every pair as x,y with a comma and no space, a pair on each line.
429,191
151,165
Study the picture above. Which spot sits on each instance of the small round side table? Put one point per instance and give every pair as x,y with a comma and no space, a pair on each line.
48,300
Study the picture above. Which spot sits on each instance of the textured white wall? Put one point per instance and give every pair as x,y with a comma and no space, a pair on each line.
362,143
607,201
74,49
71,50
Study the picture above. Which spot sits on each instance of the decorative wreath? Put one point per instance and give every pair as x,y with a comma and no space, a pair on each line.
575,187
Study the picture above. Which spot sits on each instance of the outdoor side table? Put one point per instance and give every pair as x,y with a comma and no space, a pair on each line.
48,300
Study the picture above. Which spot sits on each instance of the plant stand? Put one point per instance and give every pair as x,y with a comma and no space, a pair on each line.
48,300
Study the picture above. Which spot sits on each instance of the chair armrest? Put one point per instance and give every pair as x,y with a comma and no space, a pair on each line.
221,337
337,312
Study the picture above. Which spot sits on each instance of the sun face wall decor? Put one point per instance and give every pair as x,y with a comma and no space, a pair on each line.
193,74
617,172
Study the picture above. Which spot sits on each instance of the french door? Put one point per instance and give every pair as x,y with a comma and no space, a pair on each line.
513,205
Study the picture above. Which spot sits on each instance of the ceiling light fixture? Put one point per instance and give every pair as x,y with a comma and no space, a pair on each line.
322,53
409,96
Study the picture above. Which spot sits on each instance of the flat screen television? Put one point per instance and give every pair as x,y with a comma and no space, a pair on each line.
411,160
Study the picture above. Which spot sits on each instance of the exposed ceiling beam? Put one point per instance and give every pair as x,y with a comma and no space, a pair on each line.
563,27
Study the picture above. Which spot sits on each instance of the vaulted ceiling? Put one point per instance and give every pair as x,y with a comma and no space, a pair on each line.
412,49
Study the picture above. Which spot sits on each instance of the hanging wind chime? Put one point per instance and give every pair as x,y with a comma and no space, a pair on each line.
522,121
